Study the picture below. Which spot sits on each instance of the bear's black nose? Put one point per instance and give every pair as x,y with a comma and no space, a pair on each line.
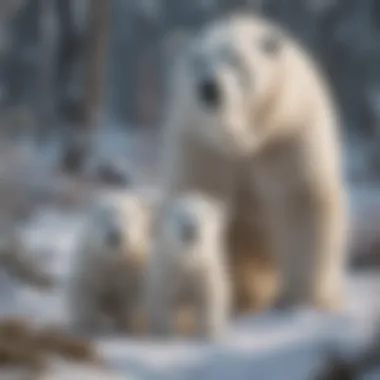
209,93
113,238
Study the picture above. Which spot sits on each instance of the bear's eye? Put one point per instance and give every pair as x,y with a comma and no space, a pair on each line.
185,225
113,238
271,44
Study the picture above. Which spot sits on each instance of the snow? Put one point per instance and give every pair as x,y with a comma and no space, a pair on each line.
272,345
267,346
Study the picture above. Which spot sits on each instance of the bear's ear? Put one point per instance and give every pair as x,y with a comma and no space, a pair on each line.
271,43
174,43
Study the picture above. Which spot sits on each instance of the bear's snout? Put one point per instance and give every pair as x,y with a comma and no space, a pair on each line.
188,231
209,92
113,238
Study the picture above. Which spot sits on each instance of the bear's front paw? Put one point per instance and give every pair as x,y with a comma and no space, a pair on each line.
330,303
213,332
210,336
136,324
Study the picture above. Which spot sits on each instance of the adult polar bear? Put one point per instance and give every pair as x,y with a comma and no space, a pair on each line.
249,113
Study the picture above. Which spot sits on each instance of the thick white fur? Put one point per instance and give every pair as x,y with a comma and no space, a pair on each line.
105,289
279,138
193,272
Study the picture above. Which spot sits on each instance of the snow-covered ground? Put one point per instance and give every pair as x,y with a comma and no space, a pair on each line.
270,346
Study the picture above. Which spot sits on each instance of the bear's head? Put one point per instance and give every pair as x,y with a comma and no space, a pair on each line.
193,227
227,76
121,227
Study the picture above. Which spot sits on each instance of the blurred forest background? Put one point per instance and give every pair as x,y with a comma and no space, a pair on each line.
86,78
68,66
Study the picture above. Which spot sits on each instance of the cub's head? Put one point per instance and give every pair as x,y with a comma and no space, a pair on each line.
193,227
121,226
227,75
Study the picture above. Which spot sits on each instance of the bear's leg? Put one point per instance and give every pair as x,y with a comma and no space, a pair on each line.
251,260
251,263
159,304
309,235
213,306
330,262
86,306
132,317
84,311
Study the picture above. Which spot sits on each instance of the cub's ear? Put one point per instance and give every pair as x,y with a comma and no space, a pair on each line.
174,44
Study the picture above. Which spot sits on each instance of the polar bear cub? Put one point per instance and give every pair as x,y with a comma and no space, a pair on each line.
109,267
188,266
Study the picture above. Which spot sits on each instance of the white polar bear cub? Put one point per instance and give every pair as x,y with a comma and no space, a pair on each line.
188,266
108,269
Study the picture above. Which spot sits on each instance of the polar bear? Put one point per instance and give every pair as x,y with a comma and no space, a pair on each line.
188,268
108,270
249,110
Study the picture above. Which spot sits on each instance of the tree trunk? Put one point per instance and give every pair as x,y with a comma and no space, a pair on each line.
96,63
68,48
96,57
46,69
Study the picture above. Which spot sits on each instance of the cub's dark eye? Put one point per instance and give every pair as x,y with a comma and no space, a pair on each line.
271,44
114,238
185,225
188,231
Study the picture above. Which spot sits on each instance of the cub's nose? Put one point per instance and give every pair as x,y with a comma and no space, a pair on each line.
188,231
113,238
209,93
